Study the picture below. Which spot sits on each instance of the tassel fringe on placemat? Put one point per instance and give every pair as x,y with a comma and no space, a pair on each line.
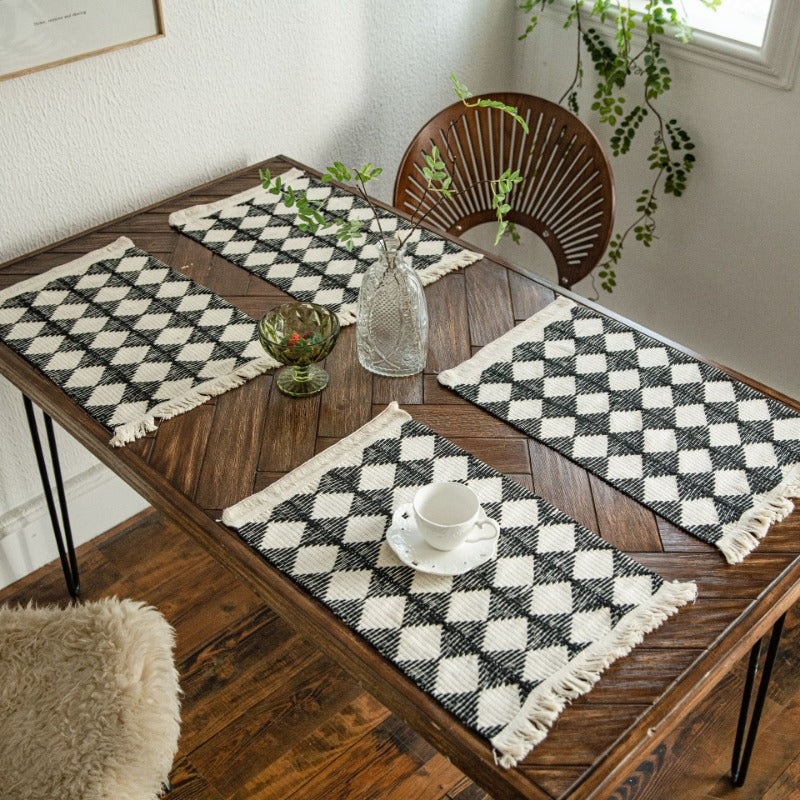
130,431
503,647
708,453
544,705
742,537
129,339
256,231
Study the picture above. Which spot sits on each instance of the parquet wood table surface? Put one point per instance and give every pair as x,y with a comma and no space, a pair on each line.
196,464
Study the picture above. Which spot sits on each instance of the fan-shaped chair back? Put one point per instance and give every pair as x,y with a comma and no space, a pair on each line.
567,197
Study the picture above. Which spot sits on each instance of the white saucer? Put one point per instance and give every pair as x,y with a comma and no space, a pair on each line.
409,546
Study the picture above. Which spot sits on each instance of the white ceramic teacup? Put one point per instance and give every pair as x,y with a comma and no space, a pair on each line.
449,514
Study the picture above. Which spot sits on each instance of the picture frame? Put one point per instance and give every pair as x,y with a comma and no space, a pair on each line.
40,34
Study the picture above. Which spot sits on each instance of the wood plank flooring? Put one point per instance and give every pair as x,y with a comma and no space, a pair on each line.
266,717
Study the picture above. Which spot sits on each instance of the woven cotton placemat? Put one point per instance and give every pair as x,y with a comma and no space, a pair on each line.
706,452
257,231
504,647
130,339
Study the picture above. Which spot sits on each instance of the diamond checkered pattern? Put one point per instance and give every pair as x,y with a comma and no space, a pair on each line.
481,642
680,436
259,233
125,334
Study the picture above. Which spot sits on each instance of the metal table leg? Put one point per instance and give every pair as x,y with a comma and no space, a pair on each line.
66,549
741,758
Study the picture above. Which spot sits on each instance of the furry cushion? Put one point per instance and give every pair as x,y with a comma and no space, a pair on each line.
89,705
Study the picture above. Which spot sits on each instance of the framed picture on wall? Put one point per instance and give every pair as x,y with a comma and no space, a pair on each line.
37,34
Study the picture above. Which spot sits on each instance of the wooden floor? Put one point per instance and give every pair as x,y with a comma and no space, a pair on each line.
265,716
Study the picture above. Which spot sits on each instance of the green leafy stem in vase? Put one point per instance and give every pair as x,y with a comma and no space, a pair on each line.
314,217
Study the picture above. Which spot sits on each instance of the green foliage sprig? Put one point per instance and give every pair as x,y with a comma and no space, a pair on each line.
670,156
313,216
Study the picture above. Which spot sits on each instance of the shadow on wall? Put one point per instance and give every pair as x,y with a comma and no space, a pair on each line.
531,254
384,109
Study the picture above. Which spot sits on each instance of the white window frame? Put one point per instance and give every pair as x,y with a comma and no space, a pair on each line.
775,63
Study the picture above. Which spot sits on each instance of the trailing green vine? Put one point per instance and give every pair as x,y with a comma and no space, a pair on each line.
671,155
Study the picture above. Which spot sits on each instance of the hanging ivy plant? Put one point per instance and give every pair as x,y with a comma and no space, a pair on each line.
616,63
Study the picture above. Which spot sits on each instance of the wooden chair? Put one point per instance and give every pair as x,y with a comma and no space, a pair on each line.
567,197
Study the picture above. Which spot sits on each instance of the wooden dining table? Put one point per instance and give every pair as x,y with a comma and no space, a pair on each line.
202,461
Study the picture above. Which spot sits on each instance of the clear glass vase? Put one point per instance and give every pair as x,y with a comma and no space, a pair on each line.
392,326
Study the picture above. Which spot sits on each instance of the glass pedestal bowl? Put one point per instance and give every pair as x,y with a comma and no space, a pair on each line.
298,335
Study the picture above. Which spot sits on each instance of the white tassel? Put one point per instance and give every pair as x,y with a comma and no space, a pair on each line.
135,429
346,317
501,349
179,218
742,537
257,506
543,706
448,264
116,249
131,431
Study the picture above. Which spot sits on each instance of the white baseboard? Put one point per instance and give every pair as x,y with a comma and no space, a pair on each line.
97,500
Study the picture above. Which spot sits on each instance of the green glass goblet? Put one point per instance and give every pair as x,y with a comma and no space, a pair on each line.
298,335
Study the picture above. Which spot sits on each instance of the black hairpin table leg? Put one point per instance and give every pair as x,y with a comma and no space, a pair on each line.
66,549
741,758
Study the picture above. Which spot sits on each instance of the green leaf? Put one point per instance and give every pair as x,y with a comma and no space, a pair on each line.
367,172
460,89
339,171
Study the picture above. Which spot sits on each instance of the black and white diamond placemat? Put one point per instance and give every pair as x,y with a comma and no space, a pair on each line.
129,339
258,232
706,452
503,647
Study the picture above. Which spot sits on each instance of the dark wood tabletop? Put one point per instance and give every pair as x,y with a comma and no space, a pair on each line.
202,461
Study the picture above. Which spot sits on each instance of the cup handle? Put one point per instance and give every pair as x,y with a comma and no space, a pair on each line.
477,534
402,515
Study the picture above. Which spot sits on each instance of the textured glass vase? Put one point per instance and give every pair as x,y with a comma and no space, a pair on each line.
392,326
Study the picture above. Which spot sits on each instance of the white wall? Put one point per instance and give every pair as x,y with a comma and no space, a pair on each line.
724,275
232,83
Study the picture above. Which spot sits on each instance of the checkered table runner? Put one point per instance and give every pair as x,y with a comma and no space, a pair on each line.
256,231
706,452
129,339
503,647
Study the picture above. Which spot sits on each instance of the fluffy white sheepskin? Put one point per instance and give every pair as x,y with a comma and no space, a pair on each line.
89,706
